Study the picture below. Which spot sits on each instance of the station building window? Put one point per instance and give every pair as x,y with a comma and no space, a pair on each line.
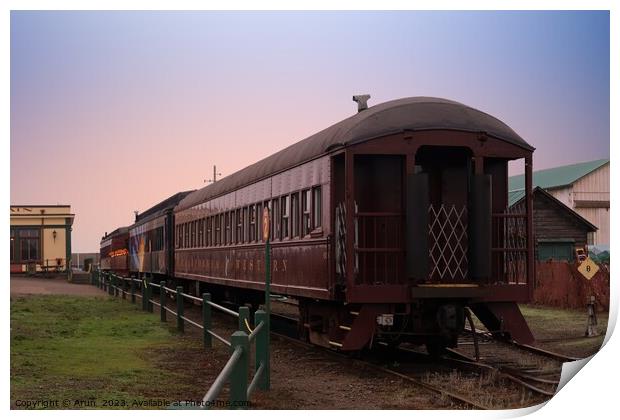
29,244
12,245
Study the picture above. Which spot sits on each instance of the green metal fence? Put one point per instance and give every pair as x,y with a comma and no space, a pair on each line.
237,369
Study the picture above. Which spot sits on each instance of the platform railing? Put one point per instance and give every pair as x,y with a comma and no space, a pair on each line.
236,371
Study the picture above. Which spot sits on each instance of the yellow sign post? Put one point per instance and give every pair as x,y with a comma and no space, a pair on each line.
588,268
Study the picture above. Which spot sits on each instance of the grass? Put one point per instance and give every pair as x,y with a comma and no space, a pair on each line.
98,349
563,330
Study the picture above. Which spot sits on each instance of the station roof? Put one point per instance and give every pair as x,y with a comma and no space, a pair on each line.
559,177
406,114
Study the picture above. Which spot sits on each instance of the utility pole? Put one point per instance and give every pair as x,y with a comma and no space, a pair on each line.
215,175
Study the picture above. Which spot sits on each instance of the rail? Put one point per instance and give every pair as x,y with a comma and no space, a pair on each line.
236,370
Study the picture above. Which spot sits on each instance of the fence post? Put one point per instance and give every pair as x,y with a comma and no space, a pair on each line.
123,287
149,304
116,282
162,300
262,350
244,316
143,289
110,286
132,286
180,322
239,374
206,319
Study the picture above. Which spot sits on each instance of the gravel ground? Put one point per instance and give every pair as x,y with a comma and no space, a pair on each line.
51,286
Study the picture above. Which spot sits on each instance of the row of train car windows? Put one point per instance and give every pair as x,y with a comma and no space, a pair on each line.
153,240
293,216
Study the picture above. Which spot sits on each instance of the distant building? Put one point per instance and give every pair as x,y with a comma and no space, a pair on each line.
558,230
40,238
80,260
582,187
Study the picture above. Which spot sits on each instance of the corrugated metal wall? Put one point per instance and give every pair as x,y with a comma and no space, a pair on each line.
593,189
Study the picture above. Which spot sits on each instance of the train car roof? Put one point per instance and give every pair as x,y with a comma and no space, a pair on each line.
411,114
116,232
161,207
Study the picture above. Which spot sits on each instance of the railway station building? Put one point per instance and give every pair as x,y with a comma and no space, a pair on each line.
40,238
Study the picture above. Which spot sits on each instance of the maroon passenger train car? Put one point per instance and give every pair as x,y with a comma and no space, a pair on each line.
386,226
150,239
114,251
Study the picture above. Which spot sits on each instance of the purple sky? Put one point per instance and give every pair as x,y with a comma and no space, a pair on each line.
114,111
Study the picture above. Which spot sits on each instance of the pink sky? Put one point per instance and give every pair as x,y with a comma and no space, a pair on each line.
113,112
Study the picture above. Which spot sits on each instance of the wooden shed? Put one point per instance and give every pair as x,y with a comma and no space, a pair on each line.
558,230
583,187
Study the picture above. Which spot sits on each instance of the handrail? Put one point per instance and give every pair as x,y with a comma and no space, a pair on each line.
219,382
191,297
255,379
195,324
256,330
237,368
223,309
223,340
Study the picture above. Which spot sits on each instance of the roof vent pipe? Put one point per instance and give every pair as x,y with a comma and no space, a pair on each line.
361,102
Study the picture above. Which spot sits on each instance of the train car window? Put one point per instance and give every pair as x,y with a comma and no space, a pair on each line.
316,207
208,231
227,239
306,199
185,235
284,216
252,223
217,228
259,222
222,229
245,225
275,219
201,227
214,230
192,234
159,238
295,215
239,235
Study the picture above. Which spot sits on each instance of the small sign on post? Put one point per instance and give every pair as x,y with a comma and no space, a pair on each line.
588,268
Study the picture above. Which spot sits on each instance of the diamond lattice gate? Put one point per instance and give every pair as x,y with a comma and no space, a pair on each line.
448,243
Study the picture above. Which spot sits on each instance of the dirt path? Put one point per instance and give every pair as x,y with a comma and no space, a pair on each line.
42,286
